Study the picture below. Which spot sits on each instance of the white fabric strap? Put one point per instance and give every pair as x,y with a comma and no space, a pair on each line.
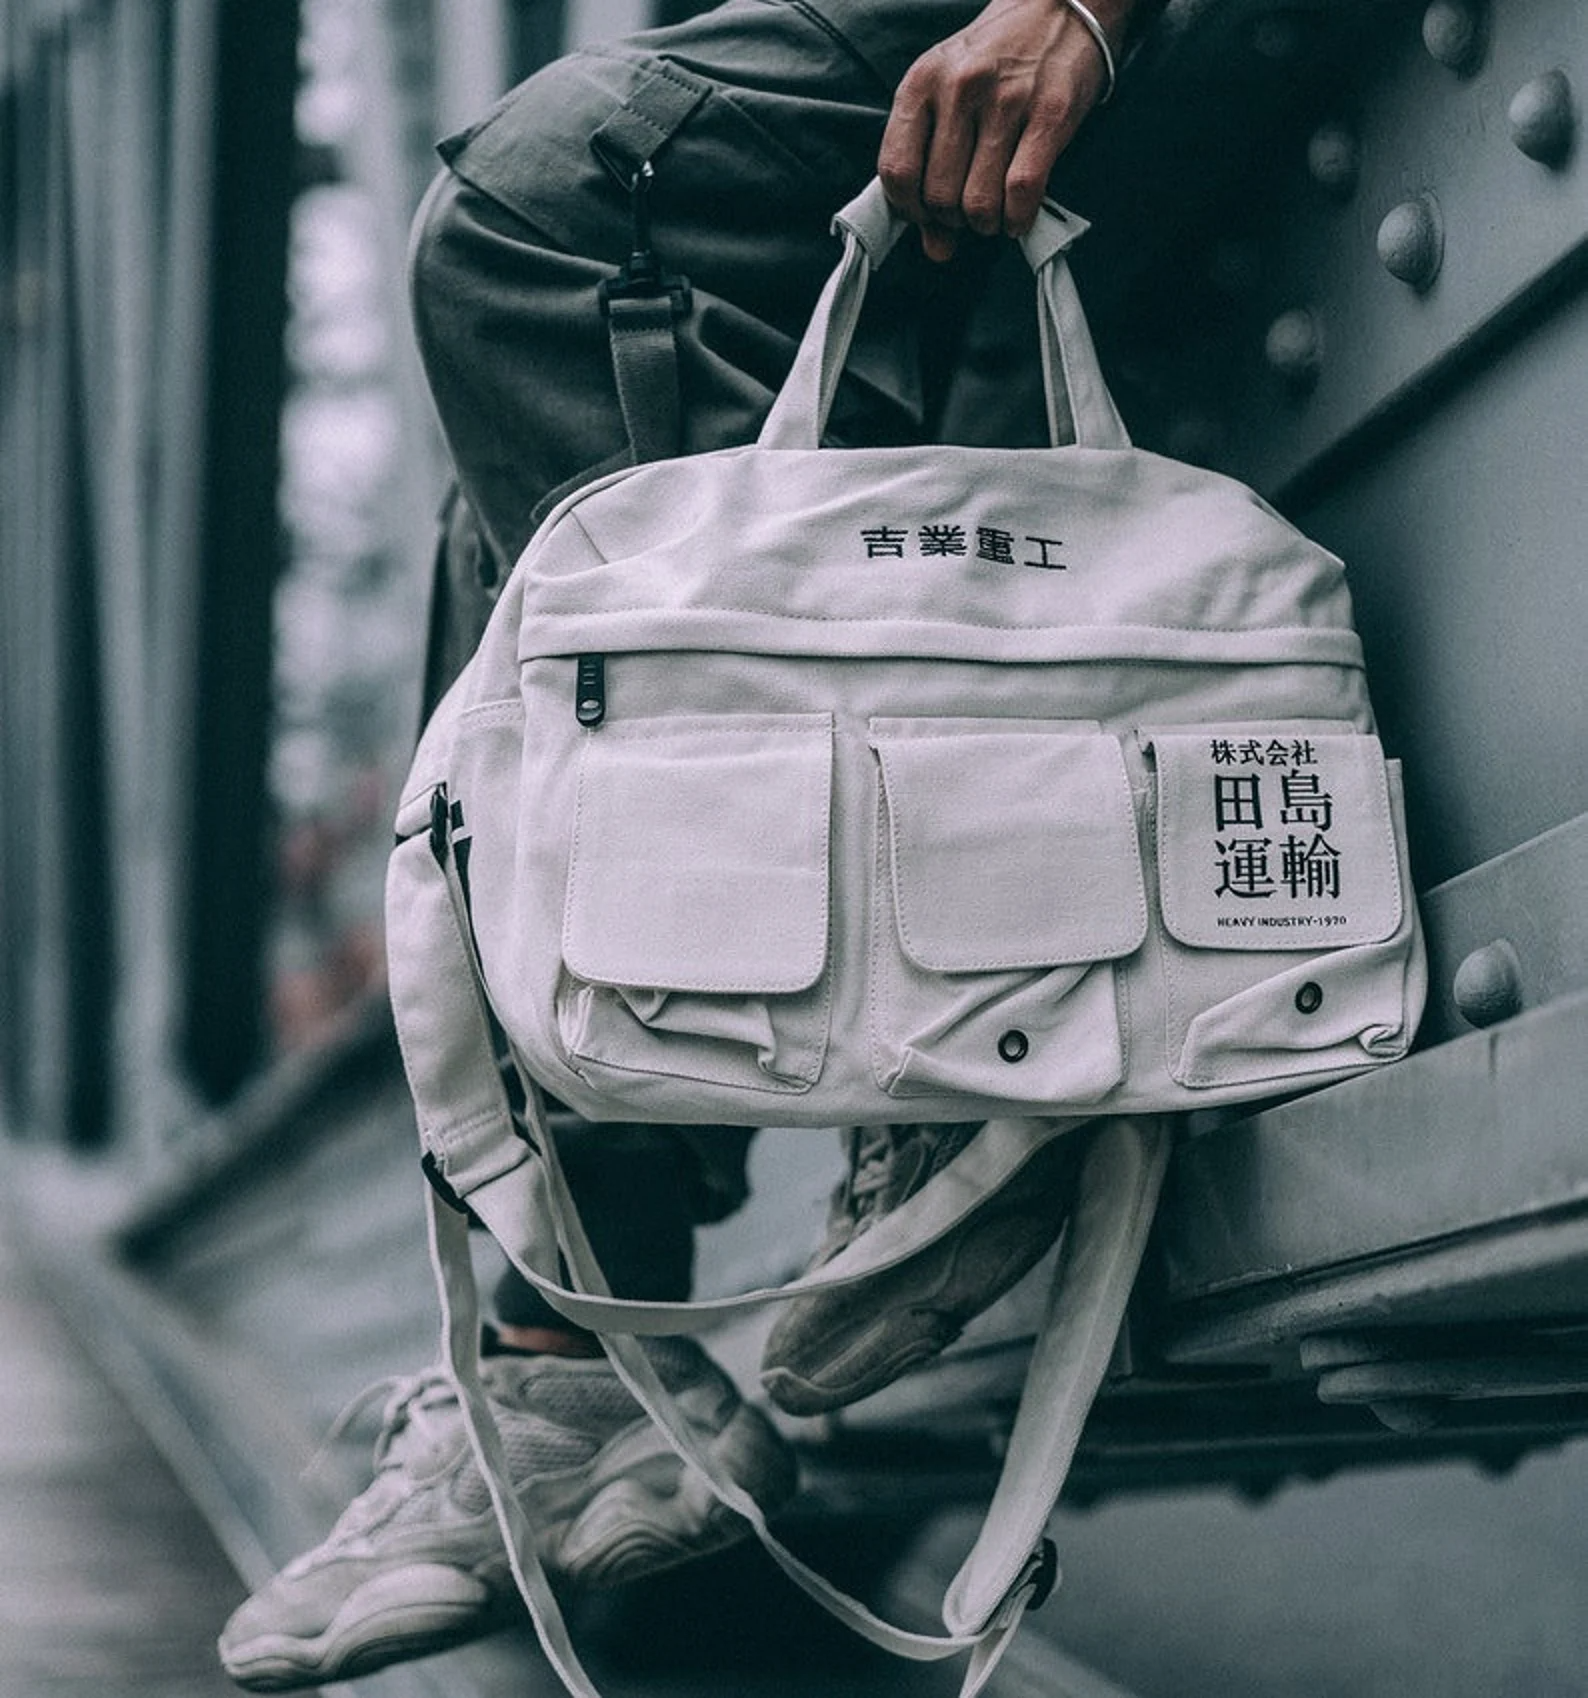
1080,409
1121,1176
450,1254
460,1333
460,1328
518,1212
635,1370
1122,1172
799,414
511,1176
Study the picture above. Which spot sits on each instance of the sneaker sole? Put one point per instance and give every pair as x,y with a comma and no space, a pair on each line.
796,1394
409,1612
654,1517
634,1510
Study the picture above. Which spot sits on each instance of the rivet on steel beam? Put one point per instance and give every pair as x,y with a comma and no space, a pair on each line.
1334,160
1453,33
1294,347
1411,241
1488,984
1543,119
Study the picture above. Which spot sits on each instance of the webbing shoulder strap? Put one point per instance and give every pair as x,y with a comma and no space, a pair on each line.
643,305
642,332
490,1147
481,1131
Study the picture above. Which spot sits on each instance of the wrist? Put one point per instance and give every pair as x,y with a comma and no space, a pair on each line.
1085,13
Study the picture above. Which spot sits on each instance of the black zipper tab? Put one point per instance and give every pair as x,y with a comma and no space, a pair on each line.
590,690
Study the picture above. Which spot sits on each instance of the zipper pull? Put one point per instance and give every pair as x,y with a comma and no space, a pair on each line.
590,690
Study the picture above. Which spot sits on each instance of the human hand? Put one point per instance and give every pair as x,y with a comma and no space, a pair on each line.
980,118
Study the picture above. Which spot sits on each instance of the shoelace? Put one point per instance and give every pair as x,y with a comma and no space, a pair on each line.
414,1410
412,1404
872,1151
873,1156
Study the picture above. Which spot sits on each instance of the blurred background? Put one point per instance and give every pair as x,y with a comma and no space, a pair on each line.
219,487
1340,250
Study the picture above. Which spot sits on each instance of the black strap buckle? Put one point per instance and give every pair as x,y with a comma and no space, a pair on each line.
1034,1583
431,1169
440,824
641,277
1045,1576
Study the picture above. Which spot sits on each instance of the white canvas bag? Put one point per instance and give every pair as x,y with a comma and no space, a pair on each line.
809,786
803,786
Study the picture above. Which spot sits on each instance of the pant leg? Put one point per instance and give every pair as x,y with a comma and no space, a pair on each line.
759,121
639,1191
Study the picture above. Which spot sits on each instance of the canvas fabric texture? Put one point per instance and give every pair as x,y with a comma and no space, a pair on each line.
799,785
807,786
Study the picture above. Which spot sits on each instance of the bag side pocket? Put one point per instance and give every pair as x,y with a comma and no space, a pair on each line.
1291,945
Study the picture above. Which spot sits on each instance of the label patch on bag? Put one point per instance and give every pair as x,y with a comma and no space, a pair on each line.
1275,839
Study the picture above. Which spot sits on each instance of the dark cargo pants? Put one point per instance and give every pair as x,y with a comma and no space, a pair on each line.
759,119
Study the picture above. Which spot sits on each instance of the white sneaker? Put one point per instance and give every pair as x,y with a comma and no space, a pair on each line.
831,1348
416,1564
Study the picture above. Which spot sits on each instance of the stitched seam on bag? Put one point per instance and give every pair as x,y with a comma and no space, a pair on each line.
654,730
438,1135
492,714
1267,633
1124,1008
881,916
571,517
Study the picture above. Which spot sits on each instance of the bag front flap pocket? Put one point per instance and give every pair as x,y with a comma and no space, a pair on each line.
1275,839
1010,848
700,854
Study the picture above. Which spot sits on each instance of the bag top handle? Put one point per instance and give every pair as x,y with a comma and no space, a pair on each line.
1080,408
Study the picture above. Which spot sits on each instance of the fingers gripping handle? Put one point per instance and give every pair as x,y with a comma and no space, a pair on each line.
1080,408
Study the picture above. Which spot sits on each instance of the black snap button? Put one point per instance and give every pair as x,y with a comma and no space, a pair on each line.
1014,1045
1309,999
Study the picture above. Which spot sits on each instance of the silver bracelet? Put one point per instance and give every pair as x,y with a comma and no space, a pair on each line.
1100,36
